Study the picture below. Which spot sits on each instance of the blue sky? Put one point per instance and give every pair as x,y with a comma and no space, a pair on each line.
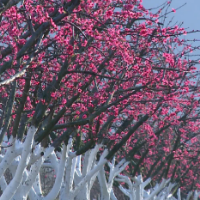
188,14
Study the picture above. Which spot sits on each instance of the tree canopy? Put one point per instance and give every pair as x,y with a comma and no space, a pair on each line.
97,72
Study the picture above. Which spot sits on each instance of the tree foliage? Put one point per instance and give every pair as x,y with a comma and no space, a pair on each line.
92,73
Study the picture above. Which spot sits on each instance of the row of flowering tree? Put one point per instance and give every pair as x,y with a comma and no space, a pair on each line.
102,83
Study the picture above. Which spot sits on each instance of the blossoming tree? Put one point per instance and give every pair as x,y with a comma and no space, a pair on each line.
95,89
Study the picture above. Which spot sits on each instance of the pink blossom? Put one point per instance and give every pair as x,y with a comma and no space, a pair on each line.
84,116
173,10
109,13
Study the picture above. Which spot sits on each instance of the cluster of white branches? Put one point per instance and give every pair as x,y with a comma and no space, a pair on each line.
75,175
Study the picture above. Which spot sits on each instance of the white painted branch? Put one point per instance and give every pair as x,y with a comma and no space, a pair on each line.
59,177
54,161
126,192
179,194
48,151
1,157
103,184
34,158
3,183
68,179
115,170
19,194
112,195
14,184
67,185
196,195
106,188
157,189
101,162
89,159
35,168
58,155
94,154
86,163
13,167
29,177
8,158
92,180
73,170
33,195
37,186
168,190
144,184
189,195
78,166
125,179
73,181
138,188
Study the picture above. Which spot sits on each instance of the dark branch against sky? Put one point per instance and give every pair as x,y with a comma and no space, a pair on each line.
188,14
